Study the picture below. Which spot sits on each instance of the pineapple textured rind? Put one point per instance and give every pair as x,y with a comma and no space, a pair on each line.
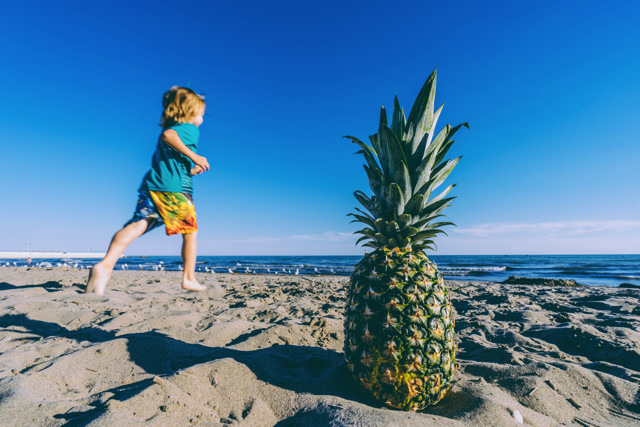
399,329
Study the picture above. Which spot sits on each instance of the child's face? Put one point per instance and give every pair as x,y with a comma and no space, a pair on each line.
199,118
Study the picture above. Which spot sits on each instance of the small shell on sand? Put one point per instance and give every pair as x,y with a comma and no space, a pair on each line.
518,416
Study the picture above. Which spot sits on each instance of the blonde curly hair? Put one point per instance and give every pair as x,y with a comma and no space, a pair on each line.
180,105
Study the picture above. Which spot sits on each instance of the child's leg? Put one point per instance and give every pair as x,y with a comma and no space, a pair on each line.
189,253
100,273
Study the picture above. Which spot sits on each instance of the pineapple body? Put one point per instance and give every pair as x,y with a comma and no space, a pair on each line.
399,328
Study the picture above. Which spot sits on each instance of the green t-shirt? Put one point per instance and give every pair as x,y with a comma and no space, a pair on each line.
170,170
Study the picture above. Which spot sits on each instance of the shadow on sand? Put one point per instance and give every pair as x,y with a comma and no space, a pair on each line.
50,286
301,369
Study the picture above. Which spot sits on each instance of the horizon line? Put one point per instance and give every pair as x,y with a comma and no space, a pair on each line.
84,254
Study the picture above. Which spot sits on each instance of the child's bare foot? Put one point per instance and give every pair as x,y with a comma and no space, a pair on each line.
192,285
98,278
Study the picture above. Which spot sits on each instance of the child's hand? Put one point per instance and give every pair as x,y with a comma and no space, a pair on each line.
200,161
197,170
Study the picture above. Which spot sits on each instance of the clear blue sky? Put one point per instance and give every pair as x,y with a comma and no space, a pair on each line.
550,89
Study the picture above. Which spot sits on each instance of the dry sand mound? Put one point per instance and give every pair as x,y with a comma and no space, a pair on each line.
269,353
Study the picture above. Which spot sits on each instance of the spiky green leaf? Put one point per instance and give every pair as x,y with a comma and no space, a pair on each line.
421,113
398,120
362,239
368,151
438,225
445,135
397,159
383,117
376,179
415,204
433,206
421,151
366,232
365,201
409,231
395,198
426,235
392,227
363,219
423,174
425,221
436,177
404,219
381,238
441,195
367,214
441,175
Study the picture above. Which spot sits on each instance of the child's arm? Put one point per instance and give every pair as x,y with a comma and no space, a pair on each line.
171,138
196,170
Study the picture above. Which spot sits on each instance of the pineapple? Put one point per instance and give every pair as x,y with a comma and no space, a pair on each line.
399,324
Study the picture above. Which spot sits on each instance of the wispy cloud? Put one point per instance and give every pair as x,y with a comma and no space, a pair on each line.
564,228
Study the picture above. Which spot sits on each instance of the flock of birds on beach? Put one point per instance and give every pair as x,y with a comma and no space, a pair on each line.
162,267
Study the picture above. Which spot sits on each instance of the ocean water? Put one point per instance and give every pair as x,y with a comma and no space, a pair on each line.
608,270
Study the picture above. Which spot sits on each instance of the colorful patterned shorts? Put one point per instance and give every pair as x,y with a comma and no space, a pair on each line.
175,210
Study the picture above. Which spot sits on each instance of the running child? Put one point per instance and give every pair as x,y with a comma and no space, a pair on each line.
165,195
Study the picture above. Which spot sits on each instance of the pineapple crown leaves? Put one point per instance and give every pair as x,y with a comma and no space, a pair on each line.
405,163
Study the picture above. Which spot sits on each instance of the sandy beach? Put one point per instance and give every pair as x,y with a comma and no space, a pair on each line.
270,353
